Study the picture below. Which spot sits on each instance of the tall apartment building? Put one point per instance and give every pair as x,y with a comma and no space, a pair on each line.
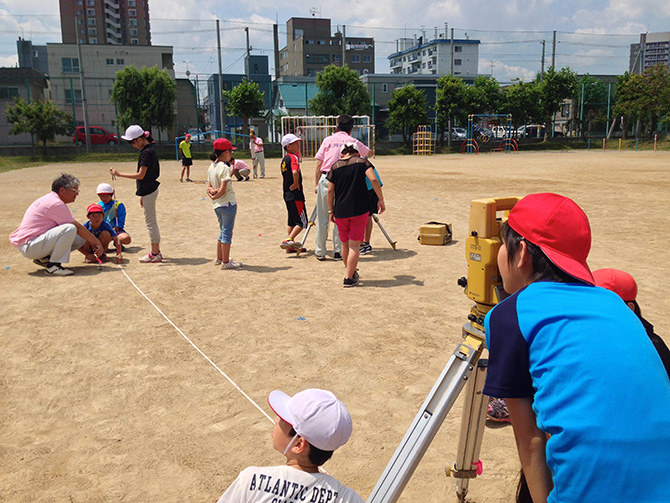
310,47
421,57
654,48
103,22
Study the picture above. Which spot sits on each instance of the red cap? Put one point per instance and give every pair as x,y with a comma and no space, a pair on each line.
620,282
187,135
223,144
559,227
94,208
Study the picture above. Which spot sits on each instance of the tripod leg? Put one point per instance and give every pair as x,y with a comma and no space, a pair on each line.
310,224
428,420
381,227
467,465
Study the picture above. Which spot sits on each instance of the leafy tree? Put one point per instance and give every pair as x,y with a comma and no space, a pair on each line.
593,93
450,101
407,110
340,91
146,97
522,100
245,100
40,118
484,96
646,97
554,88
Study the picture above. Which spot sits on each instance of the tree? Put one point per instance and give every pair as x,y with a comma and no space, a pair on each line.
484,96
645,97
145,97
40,118
554,87
340,91
407,110
245,100
522,100
450,101
590,96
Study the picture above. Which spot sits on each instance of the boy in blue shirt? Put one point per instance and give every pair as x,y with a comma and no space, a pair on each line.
114,212
587,394
101,230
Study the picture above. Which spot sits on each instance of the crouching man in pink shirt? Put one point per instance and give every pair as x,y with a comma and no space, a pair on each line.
49,232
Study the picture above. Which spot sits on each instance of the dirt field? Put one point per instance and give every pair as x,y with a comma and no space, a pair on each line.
103,400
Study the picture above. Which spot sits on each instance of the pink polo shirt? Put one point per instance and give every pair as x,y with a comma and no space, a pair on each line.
329,151
44,214
256,145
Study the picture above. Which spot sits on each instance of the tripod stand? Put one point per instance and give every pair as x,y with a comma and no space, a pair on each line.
464,369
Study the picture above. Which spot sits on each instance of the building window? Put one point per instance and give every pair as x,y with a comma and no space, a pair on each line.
110,61
7,93
80,21
132,3
336,58
320,42
90,3
309,42
91,22
90,12
70,65
133,32
77,96
79,12
457,62
355,58
132,22
92,41
134,41
458,48
132,12
93,31
120,62
385,88
367,58
79,2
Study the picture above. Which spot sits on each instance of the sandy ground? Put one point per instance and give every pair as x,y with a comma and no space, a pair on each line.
102,399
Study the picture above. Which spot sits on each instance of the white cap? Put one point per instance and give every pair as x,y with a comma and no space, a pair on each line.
288,139
316,415
350,144
104,188
133,132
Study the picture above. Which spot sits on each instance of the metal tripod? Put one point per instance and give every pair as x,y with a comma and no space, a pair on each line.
464,369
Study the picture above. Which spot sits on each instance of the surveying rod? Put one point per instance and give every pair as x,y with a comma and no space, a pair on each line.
481,251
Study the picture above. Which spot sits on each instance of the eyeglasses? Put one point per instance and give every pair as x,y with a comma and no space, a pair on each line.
76,191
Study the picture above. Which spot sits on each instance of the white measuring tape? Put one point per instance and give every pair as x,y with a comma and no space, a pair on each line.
196,347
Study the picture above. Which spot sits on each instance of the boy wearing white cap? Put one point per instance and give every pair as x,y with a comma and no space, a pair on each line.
310,425
294,196
114,211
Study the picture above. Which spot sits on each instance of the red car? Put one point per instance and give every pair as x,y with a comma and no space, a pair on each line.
98,135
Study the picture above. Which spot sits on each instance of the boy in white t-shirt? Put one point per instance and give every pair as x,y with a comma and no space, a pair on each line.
309,427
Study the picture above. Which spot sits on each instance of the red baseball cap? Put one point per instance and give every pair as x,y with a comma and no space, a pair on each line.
223,144
94,208
620,282
559,227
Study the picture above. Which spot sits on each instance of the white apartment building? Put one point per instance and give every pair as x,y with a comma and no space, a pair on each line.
435,57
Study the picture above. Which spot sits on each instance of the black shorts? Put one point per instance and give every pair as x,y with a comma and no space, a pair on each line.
374,201
186,161
296,213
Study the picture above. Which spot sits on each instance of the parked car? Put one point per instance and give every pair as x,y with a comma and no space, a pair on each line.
98,135
481,133
194,132
530,131
458,134
500,132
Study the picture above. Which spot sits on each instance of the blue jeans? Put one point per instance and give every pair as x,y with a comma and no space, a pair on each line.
226,217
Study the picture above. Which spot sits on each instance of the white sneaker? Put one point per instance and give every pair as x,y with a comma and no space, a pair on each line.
58,270
231,265
149,257
217,262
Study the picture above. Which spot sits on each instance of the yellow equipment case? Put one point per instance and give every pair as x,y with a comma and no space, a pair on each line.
435,233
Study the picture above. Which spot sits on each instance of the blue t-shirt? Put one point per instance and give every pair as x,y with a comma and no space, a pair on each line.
599,389
368,183
104,226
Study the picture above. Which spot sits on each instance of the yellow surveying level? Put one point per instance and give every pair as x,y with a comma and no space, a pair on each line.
483,285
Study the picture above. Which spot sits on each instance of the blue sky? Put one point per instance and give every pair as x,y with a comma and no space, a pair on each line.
592,36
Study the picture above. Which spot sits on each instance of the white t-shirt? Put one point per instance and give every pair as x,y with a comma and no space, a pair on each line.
285,484
217,173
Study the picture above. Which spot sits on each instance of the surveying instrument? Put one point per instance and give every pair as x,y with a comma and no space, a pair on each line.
464,368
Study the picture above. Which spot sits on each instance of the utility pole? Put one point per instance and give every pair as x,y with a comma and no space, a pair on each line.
275,33
218,46
344,43
553,52
248,65
83,91
542,72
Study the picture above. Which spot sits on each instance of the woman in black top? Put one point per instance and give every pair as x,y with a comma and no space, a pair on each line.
146,177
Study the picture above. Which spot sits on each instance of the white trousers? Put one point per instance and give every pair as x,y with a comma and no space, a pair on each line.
56,243
322,219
